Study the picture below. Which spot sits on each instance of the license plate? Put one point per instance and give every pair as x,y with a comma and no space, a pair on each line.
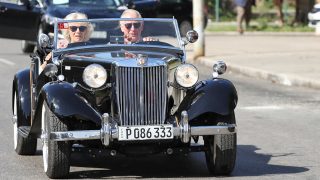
128,133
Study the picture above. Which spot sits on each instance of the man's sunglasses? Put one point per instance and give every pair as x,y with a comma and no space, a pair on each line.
135,25
81,28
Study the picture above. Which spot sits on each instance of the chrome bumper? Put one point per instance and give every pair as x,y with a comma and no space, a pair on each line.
108,132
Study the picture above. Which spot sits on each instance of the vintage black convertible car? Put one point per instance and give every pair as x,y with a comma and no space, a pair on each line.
134,99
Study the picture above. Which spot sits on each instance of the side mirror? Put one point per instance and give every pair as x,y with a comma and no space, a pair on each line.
43,41
192,36
219,68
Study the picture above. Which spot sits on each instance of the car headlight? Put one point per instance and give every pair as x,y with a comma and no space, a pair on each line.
94,75
186,75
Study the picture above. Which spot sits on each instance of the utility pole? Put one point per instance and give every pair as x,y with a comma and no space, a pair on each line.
217,10
198,25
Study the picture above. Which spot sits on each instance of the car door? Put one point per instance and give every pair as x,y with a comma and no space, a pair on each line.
19,19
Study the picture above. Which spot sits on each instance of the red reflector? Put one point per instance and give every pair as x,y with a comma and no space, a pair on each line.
63,25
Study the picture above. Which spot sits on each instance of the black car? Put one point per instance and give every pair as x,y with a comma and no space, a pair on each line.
136,99
33,17
179,9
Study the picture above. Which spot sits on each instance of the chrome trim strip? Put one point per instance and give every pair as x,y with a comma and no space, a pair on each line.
213,130
175,23
116,19
149,115
115,45
106,129
75,135
152,62
208,130
14,119
98,134
185,131
141,96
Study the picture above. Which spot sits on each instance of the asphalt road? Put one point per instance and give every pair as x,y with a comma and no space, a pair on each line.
278,136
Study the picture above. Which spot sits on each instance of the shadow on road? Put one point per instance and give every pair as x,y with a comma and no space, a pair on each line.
158,166
249,163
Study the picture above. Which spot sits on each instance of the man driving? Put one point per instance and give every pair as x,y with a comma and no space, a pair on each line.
132,29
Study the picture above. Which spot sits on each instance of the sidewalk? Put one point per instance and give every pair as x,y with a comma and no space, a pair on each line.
291,59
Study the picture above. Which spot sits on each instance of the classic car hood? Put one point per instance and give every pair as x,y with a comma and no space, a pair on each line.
113,57
92,12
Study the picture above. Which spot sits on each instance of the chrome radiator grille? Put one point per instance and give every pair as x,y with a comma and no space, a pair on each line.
141,95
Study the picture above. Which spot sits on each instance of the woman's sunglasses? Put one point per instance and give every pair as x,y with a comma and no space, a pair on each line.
135,25
81,28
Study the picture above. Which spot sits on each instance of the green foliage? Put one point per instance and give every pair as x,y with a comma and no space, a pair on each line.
268,4
225,9
262,26
286,28
264,17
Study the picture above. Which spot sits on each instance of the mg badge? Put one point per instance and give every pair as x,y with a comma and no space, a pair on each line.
142,60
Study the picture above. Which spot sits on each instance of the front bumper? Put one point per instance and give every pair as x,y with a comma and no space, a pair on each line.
109,132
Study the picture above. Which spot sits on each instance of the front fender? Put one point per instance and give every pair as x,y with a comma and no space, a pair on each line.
218,96
64,101
21,85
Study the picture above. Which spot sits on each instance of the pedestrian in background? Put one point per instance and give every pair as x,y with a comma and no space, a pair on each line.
243,13
278,5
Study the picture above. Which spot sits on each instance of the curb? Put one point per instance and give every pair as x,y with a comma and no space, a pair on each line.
255,33
282,79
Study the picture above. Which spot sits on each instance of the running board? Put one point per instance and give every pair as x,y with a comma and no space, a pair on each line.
24,131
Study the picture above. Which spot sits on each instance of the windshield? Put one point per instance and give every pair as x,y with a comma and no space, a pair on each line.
100,3
116,32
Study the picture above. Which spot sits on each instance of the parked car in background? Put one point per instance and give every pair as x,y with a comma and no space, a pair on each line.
179,9
147,8
314,16
37,16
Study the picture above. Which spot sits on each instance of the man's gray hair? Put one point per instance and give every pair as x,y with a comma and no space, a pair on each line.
130,11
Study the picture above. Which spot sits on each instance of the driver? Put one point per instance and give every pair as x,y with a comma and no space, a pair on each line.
132,29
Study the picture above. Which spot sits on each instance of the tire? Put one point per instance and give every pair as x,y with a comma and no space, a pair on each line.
56,154
27,47
220,153
22,146
184,27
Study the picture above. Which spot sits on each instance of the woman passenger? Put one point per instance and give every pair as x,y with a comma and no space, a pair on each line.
76,32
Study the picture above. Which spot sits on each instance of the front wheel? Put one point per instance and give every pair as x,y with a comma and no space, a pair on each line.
22,145
56,154
221,153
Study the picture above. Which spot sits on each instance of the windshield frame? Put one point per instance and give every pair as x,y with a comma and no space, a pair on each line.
179,48
174,21
115,3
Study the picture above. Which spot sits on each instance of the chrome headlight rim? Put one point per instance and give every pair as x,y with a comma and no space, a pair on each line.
94,76
176,78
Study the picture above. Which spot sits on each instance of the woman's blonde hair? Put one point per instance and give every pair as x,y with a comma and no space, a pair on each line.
74,16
